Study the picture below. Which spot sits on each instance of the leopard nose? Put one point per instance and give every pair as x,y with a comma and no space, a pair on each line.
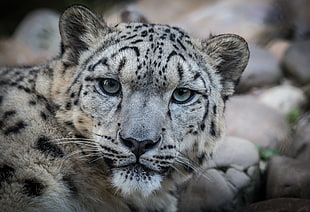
138,147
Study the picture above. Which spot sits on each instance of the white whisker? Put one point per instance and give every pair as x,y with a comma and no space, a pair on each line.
177,170
89,144
72,139
94,160
80,151
185,162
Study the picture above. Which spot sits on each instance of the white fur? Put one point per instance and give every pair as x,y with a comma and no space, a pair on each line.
137,181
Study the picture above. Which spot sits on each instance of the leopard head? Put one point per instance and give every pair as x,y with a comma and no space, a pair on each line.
147,99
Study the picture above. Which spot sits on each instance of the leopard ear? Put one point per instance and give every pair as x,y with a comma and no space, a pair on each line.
230,54
79,29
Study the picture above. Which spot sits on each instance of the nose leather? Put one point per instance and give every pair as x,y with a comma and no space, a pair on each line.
138,147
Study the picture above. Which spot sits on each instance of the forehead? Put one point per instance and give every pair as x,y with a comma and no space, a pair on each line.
147,39
156,38
155,53
151,32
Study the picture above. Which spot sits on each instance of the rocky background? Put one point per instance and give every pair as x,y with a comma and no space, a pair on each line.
263,164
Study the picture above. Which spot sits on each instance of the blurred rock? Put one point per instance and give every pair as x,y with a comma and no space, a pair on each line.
248,118
15,53
278,48
235,151
262,70
287,177
288,20
296,62
39,31
170,11
130,15
300,145
201,17
207,192
306,90
230,180
284,98
279,205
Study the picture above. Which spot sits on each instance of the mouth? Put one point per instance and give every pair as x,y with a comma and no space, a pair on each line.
135,167
136,179
139,168
137,172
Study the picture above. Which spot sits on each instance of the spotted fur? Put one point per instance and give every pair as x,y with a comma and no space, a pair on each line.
104,127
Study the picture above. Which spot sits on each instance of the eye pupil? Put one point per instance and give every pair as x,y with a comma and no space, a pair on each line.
110,86
182,92
182,95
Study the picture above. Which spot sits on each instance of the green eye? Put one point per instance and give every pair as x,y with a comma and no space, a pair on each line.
110,86
182,95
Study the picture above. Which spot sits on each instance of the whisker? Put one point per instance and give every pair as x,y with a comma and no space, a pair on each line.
94,160
178,170
97,134
81,157
80,151
89,144
199,171
102,136
186,165
185,161
88,156
73,140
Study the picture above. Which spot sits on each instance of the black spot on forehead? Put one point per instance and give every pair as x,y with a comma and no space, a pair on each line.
152,32
136,50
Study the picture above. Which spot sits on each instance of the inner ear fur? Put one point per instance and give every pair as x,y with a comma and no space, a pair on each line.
230,53
79,28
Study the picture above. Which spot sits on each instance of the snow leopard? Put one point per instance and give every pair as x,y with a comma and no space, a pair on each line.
117,120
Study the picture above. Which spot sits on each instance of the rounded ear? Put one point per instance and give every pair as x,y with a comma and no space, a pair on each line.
79,28
230,54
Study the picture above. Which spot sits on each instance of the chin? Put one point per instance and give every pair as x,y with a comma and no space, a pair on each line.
136,180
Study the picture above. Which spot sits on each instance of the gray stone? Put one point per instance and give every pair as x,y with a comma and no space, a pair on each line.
288,177
278,205
300,146
287,20
237,179
201,17
130,15
233,151
306,90
278,47
207,191
225,183
248,118
40,31
284,98
296,61
262,71
15,53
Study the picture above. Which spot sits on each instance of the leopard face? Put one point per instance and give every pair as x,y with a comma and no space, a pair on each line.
146,100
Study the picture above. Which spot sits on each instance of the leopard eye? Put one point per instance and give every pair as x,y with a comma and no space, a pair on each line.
182,95
110,86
